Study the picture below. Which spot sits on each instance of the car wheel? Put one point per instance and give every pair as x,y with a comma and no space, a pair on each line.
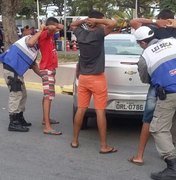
85,120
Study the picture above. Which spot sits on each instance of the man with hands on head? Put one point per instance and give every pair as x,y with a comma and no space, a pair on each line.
48,65
90,33
162,26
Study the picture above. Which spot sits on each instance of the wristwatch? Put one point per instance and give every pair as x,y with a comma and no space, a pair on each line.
154,21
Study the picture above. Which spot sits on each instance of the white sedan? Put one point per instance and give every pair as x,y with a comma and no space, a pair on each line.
126,92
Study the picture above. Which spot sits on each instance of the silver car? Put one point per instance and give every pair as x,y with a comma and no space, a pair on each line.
126,92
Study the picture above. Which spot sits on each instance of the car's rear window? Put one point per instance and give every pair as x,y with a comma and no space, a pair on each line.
122,47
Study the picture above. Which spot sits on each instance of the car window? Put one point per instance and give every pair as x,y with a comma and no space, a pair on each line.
122,47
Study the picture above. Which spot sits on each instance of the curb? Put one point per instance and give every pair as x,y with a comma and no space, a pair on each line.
66,89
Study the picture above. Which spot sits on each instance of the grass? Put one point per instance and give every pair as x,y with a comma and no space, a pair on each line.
70,56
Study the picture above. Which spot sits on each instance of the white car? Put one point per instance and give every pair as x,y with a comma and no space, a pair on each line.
126,92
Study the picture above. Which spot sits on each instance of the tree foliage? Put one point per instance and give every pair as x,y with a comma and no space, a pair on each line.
60,6
9,10
168,4
111,8
82,8
29,8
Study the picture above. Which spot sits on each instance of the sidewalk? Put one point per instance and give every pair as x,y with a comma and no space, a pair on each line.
64,79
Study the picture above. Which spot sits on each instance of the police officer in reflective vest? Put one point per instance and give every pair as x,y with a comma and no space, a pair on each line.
159,64
16,61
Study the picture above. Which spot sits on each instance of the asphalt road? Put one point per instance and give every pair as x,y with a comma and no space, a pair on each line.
35,156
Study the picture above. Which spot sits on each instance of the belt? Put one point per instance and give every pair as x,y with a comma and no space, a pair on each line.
7,67
167,92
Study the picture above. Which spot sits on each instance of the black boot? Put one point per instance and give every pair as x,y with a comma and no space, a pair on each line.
167,174
23,121
15,125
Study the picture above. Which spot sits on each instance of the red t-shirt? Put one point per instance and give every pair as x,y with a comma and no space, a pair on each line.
48,51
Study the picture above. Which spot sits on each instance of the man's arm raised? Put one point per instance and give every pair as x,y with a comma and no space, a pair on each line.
109,24
77,23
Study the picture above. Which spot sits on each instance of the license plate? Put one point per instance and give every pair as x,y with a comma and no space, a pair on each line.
127,105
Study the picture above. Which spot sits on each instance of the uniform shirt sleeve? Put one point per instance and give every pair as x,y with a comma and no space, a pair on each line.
26,40
142,69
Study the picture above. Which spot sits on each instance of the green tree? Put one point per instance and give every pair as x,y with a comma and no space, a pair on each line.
113,7
9,10
29,9
145,8
81,8
168,4
60,6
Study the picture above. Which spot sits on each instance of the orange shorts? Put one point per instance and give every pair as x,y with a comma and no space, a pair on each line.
92,85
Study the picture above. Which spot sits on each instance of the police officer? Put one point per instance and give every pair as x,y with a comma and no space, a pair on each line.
159,64
16,61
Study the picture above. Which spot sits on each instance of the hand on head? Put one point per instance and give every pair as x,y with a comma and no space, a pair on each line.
90,22
42,27
171,23
162,23
55,28
60,27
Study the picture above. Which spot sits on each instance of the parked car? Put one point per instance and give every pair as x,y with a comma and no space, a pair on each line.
126,92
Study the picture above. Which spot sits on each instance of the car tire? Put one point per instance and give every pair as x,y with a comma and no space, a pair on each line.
85,120
85,123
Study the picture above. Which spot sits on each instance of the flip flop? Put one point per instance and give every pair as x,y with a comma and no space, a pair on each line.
52,121
131,160
52,132
74,146
112,150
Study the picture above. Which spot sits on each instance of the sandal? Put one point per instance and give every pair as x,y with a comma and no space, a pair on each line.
132,160
74,146
112,150
52,132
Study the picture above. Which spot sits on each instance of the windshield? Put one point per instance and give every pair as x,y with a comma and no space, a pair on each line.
122,47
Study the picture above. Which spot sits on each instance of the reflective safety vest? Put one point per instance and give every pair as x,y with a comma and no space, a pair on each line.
19,56
161,63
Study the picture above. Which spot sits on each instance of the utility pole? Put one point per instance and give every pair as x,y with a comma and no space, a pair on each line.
136,9
38,15
65,27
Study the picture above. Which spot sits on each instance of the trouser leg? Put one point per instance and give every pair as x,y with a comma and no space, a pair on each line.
17,100
161,130
161,124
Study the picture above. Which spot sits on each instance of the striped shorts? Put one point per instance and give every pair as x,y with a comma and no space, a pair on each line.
48,81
